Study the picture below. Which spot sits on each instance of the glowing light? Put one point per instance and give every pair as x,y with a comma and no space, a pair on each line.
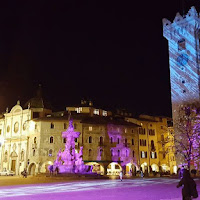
2,140
31,126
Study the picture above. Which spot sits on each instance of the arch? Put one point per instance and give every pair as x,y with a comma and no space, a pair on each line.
144,167
44,166
97,168
13,154
31,169
155,167
16,108
131,169
114,168
165,168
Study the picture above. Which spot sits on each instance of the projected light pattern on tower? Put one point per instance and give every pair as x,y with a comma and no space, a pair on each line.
183,41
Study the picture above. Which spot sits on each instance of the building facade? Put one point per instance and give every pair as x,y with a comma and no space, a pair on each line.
156,145
31,137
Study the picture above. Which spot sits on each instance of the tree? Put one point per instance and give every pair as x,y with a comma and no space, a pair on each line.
187,135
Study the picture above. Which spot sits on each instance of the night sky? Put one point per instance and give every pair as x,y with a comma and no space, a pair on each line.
111,52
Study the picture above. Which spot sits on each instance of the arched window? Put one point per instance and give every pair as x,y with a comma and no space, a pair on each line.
51,139
152,145
35,140
126,153
65,126
22,155
181,44
133,153
118,153
101,152
90,152
101,140
34,152
111,140
50,152
132,141
52,125
125,142
111,151
64,140
117,140
6,156
90,139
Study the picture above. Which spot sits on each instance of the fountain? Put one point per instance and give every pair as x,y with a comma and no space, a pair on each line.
69,161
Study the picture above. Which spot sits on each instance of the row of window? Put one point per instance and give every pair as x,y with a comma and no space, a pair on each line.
144,143
142,131
143,154
111,140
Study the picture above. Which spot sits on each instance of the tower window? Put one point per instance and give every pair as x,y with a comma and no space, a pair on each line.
90,152
184,91
181,45
183,81
52,125
90,139
51,140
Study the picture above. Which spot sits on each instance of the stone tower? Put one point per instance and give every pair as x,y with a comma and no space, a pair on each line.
183,35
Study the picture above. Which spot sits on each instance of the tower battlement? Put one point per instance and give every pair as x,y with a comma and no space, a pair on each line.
181,25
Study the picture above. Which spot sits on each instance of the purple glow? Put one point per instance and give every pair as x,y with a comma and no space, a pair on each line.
129,189
69,161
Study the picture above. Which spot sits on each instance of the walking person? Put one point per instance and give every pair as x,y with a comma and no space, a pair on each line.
189,186
141,173
121,175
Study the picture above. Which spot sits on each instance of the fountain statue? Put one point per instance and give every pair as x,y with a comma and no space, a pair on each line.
69,161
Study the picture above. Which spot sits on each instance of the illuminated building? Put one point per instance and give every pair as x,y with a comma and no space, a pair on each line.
32,137
183,36
155,154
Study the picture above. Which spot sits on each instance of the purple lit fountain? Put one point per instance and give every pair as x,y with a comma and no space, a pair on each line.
69,161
